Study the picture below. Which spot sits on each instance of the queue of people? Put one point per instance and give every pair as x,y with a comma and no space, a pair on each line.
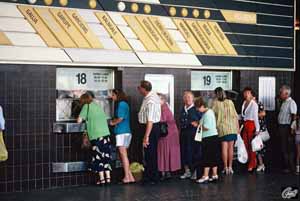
178,148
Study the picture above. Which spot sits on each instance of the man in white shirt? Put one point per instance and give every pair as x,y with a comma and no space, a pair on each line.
287,114
149,117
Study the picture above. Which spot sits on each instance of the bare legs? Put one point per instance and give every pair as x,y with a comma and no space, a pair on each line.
227,156
128,177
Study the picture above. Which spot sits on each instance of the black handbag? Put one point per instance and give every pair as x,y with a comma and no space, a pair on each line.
163,129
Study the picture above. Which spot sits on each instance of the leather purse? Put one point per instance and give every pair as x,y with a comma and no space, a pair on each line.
163,129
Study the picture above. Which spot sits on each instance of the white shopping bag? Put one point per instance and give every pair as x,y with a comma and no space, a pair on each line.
257,144
198,136
241,150
265,136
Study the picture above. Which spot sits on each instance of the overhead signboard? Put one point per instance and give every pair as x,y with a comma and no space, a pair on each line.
209,80
84,79
113,31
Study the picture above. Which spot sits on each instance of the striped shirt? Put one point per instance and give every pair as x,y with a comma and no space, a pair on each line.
287,108
226,117
2,121
150,109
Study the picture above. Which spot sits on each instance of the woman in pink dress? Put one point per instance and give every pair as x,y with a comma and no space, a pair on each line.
168,147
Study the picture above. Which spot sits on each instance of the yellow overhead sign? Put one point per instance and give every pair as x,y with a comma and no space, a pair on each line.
164,34
202,39
54,27
4,40
241,17
222,38
83,28
153,34
212,37
37,23
113,31
140,32
188,35
70,28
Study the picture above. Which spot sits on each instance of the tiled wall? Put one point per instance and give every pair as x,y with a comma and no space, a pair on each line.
27,95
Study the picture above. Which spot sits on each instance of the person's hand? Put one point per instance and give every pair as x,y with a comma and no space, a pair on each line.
111,123
146,141
195,123
257,132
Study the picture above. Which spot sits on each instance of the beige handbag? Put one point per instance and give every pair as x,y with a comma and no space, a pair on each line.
3,150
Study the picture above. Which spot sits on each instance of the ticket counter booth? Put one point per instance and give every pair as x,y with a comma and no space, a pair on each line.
55,51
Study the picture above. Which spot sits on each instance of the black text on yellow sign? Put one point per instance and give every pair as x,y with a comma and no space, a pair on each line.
212,38
164,34
222,38
83,28
140,32
153,34
55,28
188,35
113,31
200,36
34,19
70,28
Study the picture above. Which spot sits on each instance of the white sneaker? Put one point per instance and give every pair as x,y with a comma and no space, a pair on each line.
194,176
186,175
261,168
203,180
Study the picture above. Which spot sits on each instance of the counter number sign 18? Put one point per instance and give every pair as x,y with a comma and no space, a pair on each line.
81,78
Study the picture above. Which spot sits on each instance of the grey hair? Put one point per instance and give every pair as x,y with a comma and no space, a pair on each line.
286,88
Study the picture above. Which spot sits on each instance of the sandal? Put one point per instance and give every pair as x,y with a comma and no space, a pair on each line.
108,180
100,182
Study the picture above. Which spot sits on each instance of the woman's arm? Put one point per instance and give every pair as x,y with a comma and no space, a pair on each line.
116,121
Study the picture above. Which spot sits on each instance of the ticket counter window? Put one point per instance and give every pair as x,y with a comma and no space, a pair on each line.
71,83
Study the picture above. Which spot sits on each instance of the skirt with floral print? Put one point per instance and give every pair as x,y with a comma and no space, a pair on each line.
101,155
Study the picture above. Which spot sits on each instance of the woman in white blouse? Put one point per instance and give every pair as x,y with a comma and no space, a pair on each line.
251,124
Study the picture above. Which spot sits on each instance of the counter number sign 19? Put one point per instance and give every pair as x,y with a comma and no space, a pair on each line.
209,80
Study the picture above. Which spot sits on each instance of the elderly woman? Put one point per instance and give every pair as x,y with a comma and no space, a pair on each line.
98,134
251,124
227,126
190,149
168,147
210,142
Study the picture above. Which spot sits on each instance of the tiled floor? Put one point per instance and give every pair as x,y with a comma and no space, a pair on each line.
243,187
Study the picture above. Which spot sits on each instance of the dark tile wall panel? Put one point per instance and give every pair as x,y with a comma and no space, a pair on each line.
27,95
